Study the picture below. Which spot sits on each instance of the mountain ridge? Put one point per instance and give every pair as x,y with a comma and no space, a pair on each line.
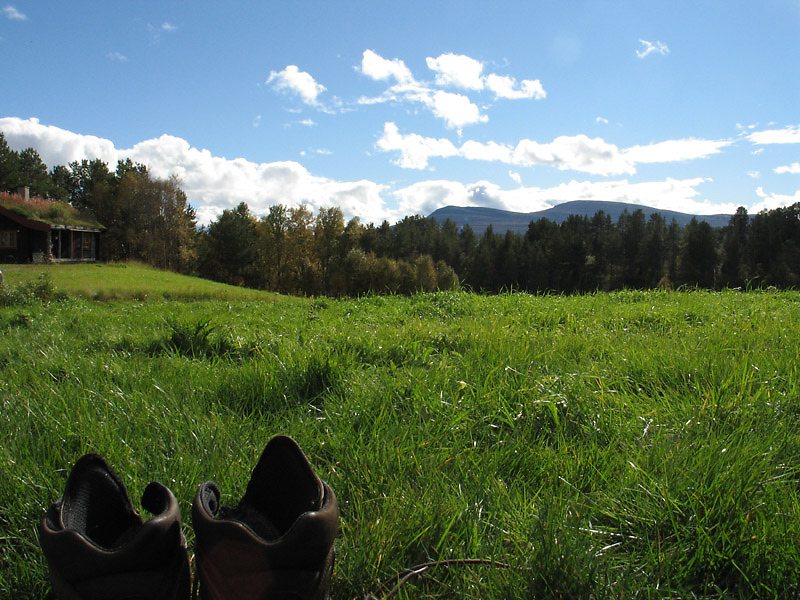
479,217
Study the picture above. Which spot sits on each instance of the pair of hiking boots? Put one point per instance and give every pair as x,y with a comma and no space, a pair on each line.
277,543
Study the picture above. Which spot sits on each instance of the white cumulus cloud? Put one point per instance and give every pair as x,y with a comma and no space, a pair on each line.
414,149
506,87
426,196
773,201
577,153
787,135
455,109
489,151
451,71
465,72
792,168
56,146
376,67
212,183
293,80
457,70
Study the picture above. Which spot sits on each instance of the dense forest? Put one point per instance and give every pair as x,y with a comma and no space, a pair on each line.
293,251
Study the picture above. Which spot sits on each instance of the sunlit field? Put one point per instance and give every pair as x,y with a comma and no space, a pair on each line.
630,444
125,281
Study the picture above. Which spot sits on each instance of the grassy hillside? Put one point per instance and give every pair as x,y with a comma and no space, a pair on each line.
110,281
635,444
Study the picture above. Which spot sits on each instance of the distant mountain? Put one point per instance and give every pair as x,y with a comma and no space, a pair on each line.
502,220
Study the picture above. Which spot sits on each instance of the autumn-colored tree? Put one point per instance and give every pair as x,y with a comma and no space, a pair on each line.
328,229
426,280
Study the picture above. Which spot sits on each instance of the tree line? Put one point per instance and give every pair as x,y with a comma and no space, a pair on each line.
145,218
293,251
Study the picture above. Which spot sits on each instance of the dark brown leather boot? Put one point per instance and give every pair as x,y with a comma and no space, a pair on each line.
277,543
98,548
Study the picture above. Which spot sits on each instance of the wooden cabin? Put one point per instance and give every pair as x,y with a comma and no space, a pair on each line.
24,240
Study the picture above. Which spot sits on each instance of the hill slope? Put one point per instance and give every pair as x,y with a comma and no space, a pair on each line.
479,218
122,281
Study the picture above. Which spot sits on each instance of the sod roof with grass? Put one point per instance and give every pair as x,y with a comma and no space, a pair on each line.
50,212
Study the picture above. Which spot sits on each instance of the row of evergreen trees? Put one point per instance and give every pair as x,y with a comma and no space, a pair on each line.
293,251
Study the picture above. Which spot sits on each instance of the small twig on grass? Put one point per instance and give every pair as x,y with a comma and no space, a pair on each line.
417,570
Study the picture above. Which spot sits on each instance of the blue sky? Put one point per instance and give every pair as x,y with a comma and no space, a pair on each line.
393,108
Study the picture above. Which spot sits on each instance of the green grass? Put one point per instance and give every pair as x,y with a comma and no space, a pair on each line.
128,281
633,444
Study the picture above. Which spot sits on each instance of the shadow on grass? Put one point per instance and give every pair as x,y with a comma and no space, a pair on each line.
261,387
198,339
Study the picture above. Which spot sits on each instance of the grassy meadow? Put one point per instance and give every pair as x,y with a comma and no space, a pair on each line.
616,445
125,281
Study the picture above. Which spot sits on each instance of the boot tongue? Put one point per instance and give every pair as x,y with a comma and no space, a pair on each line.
96,504
283,487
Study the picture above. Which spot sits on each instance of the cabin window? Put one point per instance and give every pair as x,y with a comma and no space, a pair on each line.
8,238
